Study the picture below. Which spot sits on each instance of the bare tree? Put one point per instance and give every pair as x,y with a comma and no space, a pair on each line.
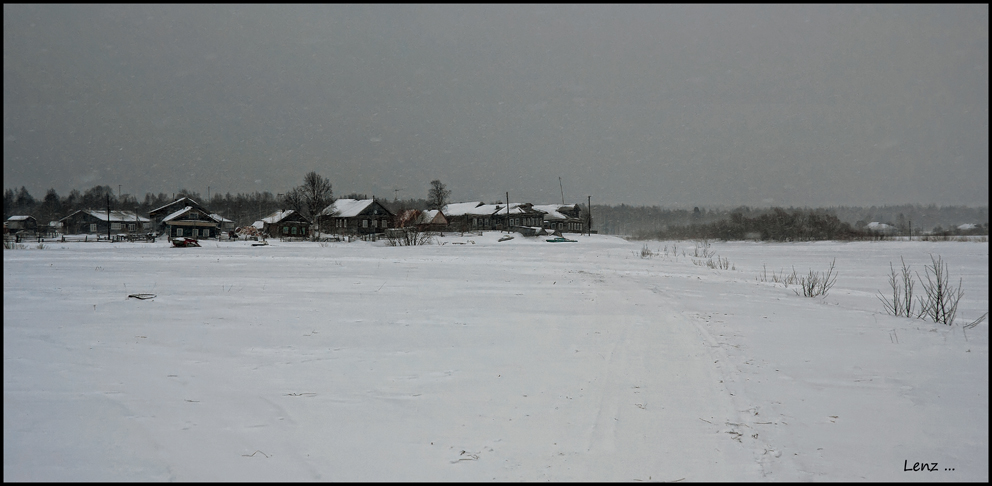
437,196
293,199
315,193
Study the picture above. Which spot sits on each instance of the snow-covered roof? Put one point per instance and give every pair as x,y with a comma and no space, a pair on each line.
431,216
347,208
123,216
551,211
460,209
174,202
19,218
177,214
966,226
485,210
277,216
259,224
220,219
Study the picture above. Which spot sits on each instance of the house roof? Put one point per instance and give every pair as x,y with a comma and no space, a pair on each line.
20,218
193,203
460,209
220,219
347,208
177,214
553,211
115,216
277,216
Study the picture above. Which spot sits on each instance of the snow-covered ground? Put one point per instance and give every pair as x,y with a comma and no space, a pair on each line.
482,360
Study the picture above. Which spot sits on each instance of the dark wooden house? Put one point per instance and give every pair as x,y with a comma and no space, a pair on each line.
355,216
564,218
190,222
98,222
21,224
286,224
157,215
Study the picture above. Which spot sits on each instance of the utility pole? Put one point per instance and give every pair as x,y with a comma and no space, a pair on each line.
108,216
562,192
508,212
588,215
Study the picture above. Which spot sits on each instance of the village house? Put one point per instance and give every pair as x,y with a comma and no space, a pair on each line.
159,214
285,224
98,222
190,222
355,216
460,215
17,224
563,217
428,220
518,215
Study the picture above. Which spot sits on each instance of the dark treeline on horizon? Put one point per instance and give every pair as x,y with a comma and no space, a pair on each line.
637,221
662,223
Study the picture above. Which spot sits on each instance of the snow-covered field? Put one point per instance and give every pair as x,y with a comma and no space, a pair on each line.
481,360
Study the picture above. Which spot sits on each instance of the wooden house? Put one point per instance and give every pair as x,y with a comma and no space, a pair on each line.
564,218
98,222
355,216
286,224
470,216
518,214
430,220
190,222
159,214
21,224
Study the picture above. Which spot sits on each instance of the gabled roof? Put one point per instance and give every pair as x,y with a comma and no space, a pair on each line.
220,219
553,211
485,210
20,218
416,216
115,216
460,209
349,208
277,216
186,200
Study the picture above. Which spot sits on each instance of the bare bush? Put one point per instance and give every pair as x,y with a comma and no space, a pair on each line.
816,284
645,252
409,236
940,304
902,292
703,250
781,277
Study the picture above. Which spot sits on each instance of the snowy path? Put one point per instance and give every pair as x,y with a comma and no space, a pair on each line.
521,361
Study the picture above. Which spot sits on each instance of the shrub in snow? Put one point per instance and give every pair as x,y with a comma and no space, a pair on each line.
817,283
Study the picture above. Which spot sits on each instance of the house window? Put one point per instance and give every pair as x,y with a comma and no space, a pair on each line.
115,226
375,223
93,228
385,223
294,230
365,223
285,230
179,231
130,227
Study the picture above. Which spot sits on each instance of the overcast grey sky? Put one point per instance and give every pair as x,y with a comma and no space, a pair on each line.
639,104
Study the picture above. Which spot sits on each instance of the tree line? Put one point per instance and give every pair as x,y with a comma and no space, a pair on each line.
663,223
